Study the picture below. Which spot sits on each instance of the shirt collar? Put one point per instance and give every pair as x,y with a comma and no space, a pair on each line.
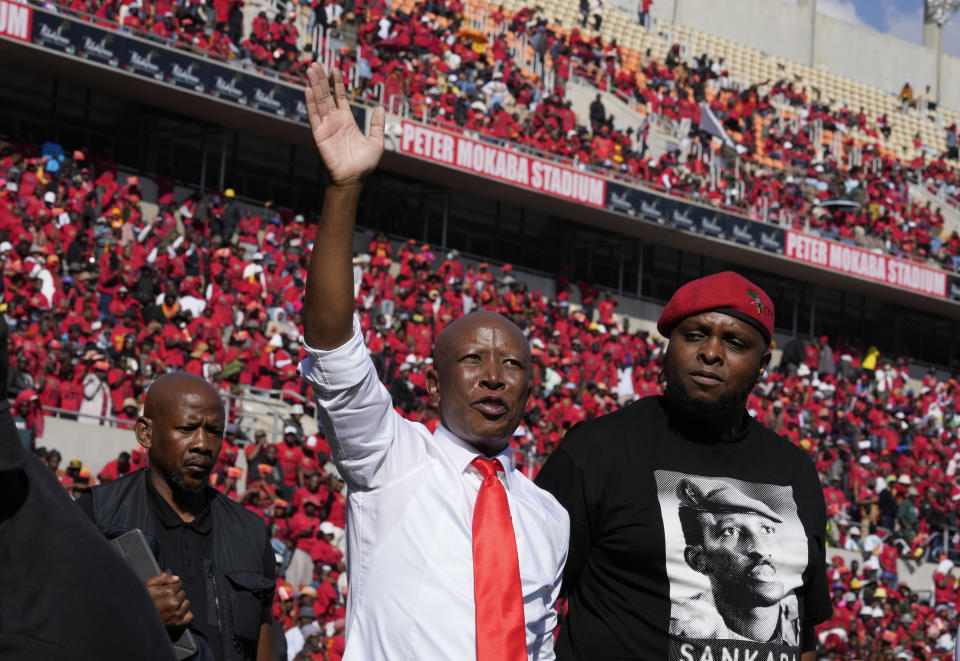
462,453
202,523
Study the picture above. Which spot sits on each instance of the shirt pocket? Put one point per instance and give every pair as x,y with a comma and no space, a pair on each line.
246,601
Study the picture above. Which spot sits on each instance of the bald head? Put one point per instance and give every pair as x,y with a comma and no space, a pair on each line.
450,338
171,389
481,379
182,430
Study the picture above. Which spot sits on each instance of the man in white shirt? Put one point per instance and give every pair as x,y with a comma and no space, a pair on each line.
421,506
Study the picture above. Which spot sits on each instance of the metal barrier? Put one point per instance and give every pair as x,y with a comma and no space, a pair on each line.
101,420
273,400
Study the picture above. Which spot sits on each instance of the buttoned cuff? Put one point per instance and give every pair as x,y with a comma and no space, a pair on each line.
337,369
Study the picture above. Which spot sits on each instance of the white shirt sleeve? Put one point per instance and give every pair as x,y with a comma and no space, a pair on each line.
370,442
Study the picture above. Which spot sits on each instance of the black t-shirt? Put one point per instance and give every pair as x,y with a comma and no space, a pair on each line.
679,543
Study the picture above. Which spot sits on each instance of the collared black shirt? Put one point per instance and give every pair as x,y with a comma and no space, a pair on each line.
186,550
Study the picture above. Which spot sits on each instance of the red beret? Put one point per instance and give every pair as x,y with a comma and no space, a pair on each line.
725,292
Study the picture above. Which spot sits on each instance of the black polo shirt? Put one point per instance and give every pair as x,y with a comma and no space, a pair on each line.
186,550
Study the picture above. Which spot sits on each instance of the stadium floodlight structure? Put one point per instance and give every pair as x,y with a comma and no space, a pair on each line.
937,13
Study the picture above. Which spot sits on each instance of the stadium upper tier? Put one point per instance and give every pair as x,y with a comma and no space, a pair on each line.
789,159
748,66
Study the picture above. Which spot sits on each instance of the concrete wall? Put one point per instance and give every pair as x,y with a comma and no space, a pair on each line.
783,29
92,444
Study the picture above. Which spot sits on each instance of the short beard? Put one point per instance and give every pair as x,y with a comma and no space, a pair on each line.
699,413
180,487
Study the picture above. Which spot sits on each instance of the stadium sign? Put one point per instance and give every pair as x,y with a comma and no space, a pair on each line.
693,218
15,20
481,158
865,264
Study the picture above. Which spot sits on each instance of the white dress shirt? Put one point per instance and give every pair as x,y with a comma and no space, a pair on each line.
410,504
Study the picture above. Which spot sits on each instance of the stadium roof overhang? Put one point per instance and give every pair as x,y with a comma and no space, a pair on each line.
216,93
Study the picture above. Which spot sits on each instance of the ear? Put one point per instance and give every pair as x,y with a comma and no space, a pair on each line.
764,363
433,385
143,429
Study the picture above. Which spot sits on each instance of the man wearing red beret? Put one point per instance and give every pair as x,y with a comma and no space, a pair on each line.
696,532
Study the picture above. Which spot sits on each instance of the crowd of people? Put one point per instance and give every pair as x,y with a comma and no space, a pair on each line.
103,300
456,77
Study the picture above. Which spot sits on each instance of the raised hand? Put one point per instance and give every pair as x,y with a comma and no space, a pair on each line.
348,155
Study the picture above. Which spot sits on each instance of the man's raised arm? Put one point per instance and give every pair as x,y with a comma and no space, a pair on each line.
349,157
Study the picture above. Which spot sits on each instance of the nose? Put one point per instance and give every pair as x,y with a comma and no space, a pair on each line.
203,441
711,353
492,378
755,545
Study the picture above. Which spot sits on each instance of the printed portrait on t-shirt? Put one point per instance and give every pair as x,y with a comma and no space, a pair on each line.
735,553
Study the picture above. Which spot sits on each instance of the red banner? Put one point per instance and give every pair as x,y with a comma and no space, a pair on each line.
15,20
865,264
481,158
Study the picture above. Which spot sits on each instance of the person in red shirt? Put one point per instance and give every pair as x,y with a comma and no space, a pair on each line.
313,488
115,468
337,502
290,456
228,485
128,413
313,647
321,548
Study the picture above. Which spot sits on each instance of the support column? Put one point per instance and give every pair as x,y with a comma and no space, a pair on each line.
223,161
203,162
446,219
639,249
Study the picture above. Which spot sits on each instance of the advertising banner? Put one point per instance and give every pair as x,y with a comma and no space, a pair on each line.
692,218
953,290
16,20
185,71
865,264
478,157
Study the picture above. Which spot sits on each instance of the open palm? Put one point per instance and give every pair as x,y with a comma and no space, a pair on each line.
348,155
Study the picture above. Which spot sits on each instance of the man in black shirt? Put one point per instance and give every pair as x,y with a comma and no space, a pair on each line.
695,531
219,568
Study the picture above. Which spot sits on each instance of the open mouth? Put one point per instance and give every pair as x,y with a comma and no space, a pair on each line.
491,407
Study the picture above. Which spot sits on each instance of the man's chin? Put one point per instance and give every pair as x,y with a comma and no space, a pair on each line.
191,486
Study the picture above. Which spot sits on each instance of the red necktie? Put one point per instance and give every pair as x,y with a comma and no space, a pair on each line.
501,628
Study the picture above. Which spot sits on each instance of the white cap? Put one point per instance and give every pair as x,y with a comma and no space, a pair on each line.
327,528
49,197
6,246
296,409
290,429
311,441
257,256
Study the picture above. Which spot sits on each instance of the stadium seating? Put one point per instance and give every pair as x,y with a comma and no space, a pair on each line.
77,289
780,181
